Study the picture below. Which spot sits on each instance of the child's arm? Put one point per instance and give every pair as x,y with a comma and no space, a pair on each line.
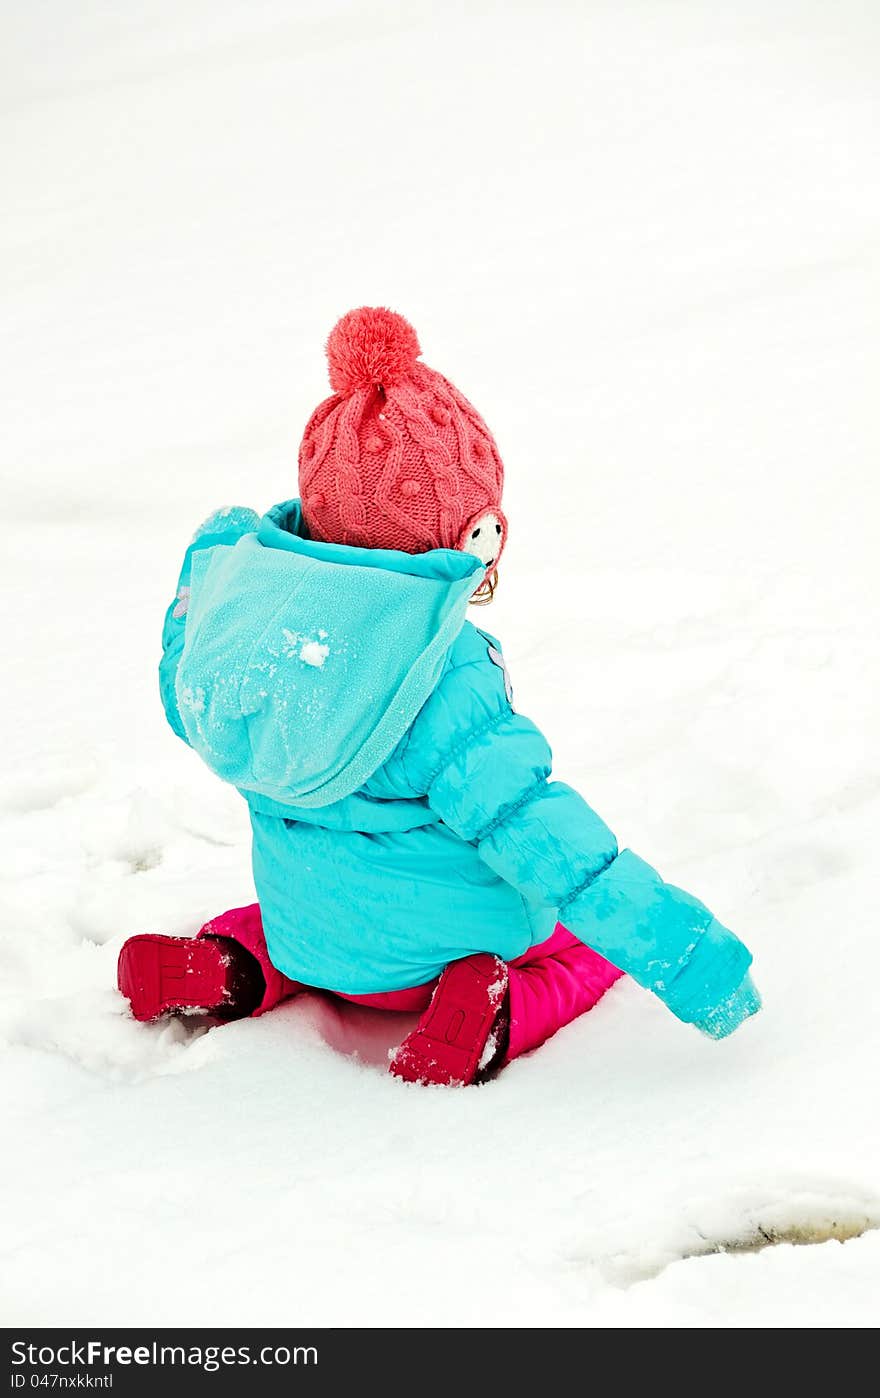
224,526
485,772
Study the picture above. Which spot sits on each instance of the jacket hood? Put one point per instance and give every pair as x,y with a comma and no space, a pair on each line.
305,663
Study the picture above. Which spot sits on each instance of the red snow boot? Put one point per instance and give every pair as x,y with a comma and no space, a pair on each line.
210,974
462,1030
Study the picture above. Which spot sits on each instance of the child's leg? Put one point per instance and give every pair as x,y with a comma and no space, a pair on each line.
225,969
551,985
244,926
481,1013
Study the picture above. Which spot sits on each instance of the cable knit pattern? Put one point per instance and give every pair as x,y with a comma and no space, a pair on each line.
397,458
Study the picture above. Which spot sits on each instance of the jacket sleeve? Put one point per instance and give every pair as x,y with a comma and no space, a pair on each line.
224,526
486,773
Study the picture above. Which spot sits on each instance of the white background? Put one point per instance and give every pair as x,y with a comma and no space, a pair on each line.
643,238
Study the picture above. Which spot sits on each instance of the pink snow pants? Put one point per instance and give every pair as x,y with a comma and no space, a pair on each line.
550,984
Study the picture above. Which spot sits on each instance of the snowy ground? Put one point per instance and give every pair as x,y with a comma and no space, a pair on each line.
644,239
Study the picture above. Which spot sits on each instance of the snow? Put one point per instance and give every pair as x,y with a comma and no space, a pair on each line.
314,653
311,652
643,239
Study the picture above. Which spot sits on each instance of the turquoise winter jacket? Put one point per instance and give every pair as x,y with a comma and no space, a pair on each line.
403,814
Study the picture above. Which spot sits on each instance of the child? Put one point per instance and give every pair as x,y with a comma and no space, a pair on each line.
409,849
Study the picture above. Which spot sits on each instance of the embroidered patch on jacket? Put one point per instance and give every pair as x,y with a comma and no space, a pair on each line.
498,659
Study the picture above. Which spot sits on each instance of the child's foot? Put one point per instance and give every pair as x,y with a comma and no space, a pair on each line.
211,975
463,1030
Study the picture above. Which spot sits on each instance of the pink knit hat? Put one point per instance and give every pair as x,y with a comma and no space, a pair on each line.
398,458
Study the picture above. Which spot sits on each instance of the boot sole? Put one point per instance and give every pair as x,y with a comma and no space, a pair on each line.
160,974
447,1045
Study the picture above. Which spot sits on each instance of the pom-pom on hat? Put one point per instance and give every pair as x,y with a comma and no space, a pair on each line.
397,458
